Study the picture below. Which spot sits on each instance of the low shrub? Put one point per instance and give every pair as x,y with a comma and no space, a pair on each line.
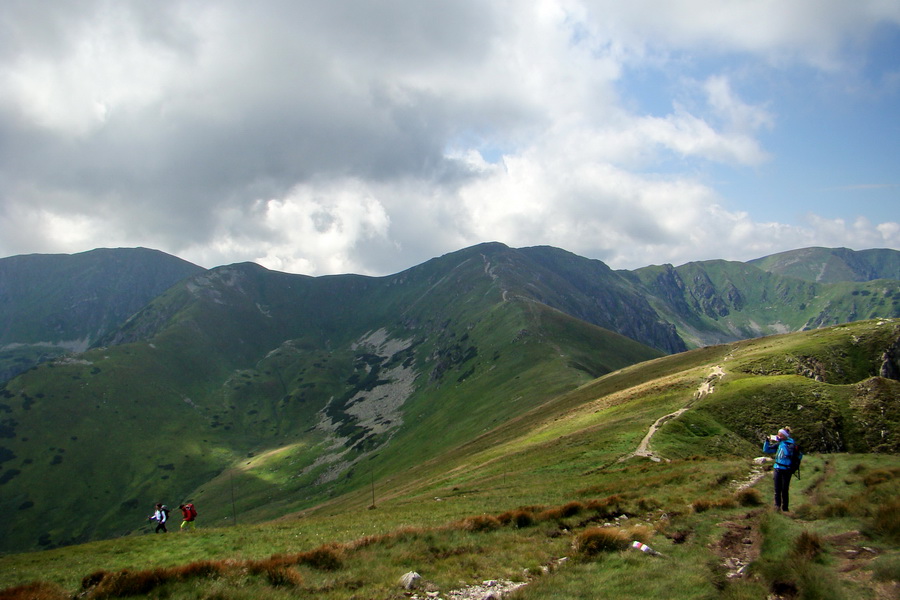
702,505
558,513
597,540
807,512
261,567
89,581
551,514
818,583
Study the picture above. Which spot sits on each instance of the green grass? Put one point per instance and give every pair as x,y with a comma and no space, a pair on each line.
521,496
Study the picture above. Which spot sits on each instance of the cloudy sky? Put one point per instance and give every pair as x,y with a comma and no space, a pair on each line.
334,136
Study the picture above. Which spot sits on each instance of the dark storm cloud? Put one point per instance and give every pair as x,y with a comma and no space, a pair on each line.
283,92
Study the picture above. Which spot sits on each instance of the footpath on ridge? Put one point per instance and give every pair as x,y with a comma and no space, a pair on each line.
706,388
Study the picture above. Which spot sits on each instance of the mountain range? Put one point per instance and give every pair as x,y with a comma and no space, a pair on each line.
283,391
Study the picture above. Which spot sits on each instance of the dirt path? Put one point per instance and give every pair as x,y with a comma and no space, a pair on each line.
706,388
643,448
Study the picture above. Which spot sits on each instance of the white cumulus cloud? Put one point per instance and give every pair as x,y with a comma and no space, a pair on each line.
331,137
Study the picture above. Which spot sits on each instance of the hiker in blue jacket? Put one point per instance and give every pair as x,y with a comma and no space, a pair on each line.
783,446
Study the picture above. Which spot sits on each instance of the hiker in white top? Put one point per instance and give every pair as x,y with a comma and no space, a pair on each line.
160,517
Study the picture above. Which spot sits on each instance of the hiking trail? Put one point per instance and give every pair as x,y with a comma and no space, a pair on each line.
706,388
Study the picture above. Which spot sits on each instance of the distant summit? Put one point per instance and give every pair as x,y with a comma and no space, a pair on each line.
831,265
56,303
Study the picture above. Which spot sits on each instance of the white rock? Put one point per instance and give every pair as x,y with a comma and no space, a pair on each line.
410,580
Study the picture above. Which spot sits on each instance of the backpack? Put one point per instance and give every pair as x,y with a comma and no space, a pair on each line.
165,509
191,511
795,459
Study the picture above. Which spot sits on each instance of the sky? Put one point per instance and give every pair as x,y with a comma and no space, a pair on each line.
352,136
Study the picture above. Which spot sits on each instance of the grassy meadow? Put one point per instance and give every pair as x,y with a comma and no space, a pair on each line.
554,497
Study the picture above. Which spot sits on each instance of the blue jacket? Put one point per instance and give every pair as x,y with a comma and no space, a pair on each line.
782,450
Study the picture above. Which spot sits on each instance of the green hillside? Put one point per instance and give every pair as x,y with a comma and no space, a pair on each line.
553,497
53,304
714,302
286,389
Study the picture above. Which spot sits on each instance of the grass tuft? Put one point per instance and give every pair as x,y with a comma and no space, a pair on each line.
886,522
480,523
571,509
129,583
878,476
610,506
749,497
886,568
203,568
641,533
38,590
839,508
597,540
808,545
325,558
283,577
517,518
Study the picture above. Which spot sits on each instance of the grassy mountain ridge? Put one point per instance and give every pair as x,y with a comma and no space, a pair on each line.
831,265
53,304
539,485
292,390
721,301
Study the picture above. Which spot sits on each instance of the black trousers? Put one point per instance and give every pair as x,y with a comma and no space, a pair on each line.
782,488
161,526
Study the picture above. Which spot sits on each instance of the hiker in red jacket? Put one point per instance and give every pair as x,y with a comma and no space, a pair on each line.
188,514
